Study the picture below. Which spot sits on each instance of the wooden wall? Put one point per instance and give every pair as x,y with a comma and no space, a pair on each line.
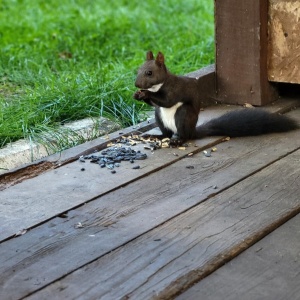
284,41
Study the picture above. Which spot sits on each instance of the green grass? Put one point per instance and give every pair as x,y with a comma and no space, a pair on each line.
66,60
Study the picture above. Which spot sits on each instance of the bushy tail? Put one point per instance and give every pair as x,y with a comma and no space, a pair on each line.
246,122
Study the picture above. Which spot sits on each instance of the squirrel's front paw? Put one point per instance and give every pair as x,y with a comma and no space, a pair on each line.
139,95
176,141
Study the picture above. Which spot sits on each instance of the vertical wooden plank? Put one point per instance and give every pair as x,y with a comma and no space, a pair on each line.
241,52
284,41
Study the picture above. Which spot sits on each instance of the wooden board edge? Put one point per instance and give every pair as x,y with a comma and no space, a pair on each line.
188,280
223,278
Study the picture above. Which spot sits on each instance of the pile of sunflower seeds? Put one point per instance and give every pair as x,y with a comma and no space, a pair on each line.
121,150
112,157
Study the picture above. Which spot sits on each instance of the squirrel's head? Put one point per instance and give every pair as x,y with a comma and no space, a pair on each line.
152,73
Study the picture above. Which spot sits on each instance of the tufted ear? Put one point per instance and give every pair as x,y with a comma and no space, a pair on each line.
160,60
149,55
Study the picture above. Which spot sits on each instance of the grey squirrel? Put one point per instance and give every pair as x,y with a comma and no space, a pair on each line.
177,106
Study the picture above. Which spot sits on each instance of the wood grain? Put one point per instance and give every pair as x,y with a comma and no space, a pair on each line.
268,270
120,216
284,41
170,258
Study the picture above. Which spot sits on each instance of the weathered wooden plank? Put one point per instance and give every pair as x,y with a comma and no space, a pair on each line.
284,41
122,215
64,188
241,52
268,270
170,258
38,199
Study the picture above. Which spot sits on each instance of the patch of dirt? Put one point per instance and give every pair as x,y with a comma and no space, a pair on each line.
8,89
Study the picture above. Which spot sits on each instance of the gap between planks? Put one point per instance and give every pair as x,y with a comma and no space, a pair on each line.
268,270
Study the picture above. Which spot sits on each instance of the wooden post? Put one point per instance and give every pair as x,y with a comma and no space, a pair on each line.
241,52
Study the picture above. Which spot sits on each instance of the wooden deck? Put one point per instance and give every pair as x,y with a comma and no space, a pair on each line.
183,225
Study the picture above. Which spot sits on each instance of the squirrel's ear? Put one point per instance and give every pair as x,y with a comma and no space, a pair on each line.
160,60
149,55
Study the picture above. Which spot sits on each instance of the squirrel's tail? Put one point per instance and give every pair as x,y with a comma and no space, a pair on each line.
246,122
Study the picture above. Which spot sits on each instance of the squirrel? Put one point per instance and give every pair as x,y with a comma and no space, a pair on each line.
177,106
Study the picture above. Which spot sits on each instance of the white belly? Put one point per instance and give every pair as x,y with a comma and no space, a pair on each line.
168,116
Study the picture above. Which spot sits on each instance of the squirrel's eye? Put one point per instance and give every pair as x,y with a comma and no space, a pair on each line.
148,73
